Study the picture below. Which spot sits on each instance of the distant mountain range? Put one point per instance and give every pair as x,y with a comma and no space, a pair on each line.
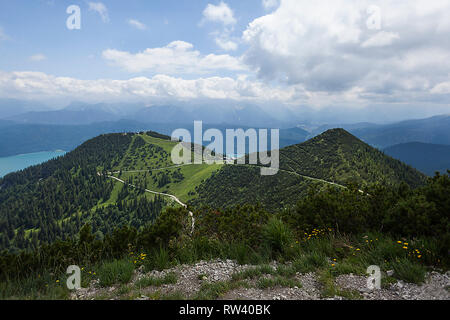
63,117
28,138
434,130
426,157
79,113
14,107
46,130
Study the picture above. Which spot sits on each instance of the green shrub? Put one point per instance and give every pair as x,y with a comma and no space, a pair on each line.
238,224
119,271
309,262
350,266
34,287
277,235
240,252
252,273
158,260
405,269
286,271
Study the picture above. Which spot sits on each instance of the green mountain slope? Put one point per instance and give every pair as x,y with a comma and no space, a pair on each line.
120,180
54,200
340,157
334,157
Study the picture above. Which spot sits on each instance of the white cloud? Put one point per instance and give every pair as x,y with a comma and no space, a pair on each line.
225,91
224,15
38,57
226,44
101,9
178,57
220,13
270,4
441,88
137,24
380,39
330,49
38,85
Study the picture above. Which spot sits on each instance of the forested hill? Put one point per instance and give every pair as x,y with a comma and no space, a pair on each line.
335,156
338,156
97,152
54,200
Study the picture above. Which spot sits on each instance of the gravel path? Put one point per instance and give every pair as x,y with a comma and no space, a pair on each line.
191,277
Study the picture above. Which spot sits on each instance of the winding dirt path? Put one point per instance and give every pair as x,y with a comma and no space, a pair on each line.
109,175
191,215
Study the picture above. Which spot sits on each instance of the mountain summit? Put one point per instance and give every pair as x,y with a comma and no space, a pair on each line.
338,156
334,158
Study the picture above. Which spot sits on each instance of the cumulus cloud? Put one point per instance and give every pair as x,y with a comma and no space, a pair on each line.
441,88
220,13
270,4
330,48
226,44
178,57
101,9
137,24
38,57
380,39
38,85
354,104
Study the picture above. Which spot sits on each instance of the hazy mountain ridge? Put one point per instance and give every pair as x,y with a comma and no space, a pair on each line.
434,130
28,138
426,157
65,129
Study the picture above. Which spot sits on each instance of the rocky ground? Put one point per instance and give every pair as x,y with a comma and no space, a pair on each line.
191,279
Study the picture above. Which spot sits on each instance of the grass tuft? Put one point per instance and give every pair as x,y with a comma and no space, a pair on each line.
119,271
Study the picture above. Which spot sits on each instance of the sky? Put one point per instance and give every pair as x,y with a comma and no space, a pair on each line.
341,54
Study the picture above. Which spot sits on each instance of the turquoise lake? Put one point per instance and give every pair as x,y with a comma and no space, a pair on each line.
22,161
